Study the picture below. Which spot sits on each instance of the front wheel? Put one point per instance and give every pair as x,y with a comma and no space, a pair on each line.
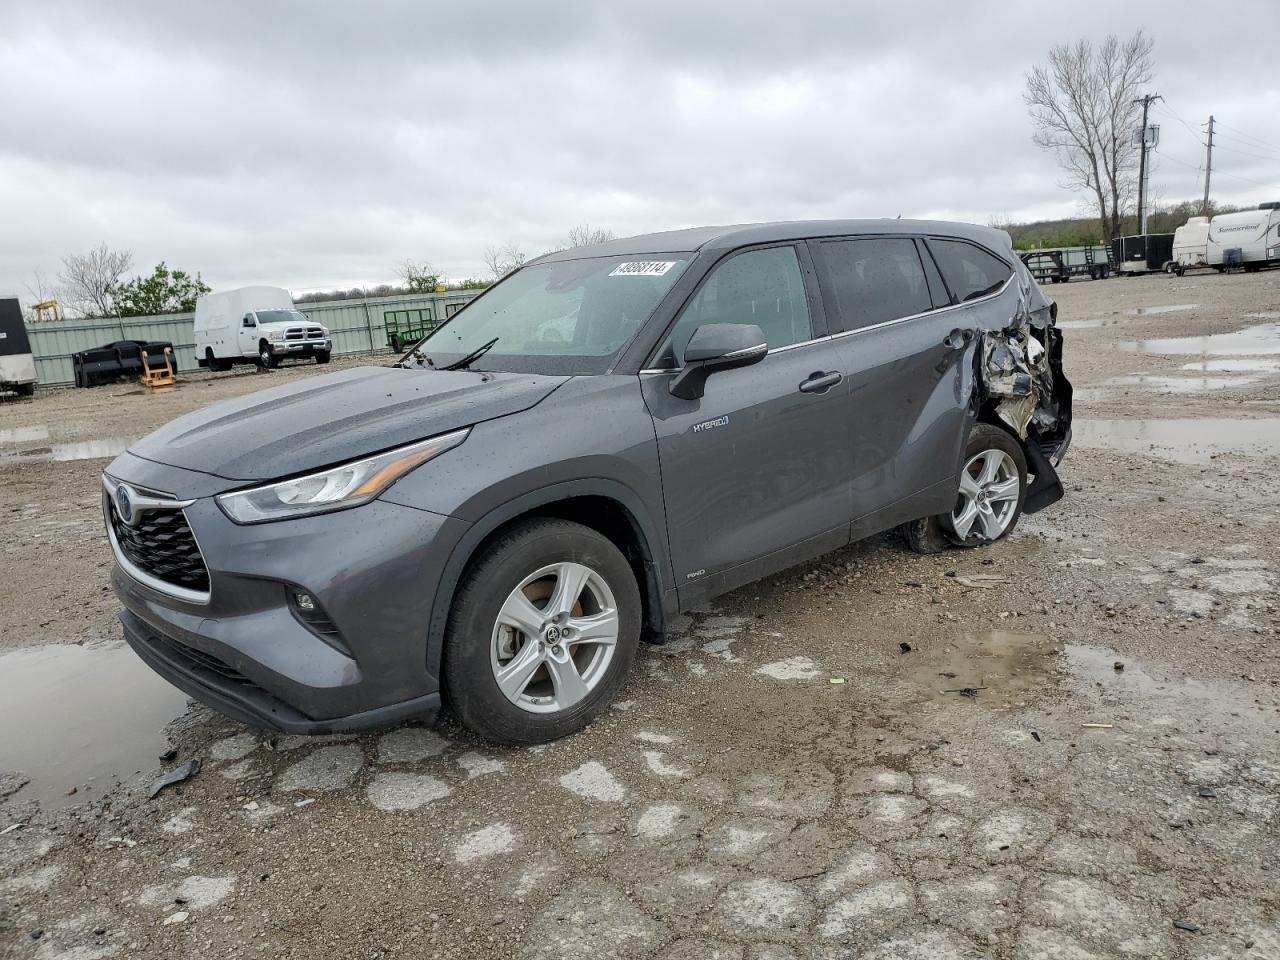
322,356
267,359
542,632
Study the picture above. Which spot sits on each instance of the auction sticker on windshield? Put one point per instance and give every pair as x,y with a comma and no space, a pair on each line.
642,268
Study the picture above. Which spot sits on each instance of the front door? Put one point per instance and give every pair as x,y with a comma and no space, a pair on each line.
755,474
248,337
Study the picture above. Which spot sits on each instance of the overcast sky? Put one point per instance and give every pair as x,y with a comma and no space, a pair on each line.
318,144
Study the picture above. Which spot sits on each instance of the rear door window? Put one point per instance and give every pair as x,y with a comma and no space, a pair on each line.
970,271
873,281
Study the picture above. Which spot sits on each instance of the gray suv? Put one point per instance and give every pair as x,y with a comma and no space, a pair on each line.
609,435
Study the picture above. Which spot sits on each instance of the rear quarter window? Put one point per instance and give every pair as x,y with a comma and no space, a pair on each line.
970,271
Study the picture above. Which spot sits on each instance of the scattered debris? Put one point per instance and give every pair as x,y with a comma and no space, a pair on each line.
1206,793
168,756
981,581
1097,726
966,691
173,918
835,680
306,802
1118,666
1035,736
948,674
1187,925
176,775
904,647
18,826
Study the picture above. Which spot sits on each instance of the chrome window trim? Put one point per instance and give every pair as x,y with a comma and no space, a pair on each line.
874,326
197,597
927,313
743,352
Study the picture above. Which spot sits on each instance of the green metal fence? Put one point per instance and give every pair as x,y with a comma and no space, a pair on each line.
356,326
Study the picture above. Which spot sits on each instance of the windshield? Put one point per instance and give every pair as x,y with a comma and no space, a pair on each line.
567,317
280,316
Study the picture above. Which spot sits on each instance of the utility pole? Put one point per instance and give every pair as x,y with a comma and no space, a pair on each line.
1208,168
1146,102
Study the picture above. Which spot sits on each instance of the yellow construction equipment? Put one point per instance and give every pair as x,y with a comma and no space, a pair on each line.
50,307
158,376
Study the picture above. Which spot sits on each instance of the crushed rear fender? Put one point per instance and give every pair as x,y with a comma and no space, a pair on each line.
1020,383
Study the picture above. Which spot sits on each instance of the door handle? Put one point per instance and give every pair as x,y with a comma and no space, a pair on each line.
820,382
957,339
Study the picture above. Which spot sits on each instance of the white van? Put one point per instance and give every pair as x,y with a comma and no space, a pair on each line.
1250,238
255,325
1190,246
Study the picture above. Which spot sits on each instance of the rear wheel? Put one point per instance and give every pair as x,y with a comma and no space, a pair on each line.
395,343
993,484
542,632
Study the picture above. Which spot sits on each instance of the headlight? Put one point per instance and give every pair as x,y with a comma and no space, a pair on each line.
337,488
275,335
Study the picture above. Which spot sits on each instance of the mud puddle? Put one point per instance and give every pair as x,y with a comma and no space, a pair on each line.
1156,311
1194,441
1094,669
79,450
999,670
23,435
1084,324
81,718
1235,365
1260,340
1179,385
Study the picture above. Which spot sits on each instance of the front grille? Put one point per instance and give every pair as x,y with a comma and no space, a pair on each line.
162,545
299,333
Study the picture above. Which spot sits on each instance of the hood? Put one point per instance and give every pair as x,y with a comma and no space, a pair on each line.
326,420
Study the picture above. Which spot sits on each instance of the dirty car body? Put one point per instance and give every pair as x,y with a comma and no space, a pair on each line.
713,405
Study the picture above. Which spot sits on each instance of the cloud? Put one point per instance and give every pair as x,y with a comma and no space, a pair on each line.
316,145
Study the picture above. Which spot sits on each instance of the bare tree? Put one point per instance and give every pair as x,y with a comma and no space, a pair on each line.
419,277
89,280
502,260
583,235
1082,107
40,291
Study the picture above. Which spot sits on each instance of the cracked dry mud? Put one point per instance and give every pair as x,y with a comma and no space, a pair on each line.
737,803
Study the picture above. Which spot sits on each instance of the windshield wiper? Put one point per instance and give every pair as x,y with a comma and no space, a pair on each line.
471,357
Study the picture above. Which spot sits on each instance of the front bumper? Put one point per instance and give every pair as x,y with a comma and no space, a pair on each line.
246,652
300,346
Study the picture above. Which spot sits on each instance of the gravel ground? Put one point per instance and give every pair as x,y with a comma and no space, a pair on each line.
783,778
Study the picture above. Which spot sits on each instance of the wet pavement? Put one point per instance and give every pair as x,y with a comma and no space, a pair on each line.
1183,440
81,719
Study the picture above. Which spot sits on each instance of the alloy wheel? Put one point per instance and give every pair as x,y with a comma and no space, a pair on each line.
554,638
989,490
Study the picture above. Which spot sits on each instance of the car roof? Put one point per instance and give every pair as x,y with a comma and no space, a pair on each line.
721,238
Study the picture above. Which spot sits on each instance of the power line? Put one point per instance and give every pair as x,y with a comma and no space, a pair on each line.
1256,156
1249,136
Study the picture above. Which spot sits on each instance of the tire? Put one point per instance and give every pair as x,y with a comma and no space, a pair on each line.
529,559
395,343
25,389
925,535
267,359
322,356
988,446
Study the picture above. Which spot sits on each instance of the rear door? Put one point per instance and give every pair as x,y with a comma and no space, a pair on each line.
755,473
903,346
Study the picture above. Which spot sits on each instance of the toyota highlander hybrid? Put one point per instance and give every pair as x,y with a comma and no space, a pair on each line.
608,436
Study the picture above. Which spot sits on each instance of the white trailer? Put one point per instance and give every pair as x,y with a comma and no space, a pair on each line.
255,325
1249,239
1190,246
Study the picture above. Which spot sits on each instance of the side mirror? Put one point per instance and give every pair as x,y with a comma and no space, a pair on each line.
717,346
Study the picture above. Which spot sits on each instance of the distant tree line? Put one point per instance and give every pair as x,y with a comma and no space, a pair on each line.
1085,231
94,284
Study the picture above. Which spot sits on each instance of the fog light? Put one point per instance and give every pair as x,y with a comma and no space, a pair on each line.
305,601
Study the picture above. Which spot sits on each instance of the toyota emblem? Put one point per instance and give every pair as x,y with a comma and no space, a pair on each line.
124,506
